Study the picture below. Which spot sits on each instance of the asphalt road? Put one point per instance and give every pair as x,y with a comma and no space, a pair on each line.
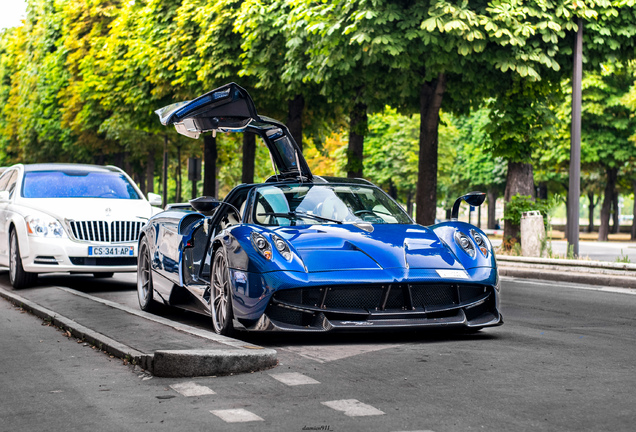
563,361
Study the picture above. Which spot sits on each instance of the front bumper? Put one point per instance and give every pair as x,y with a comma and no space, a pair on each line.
52,255
411,300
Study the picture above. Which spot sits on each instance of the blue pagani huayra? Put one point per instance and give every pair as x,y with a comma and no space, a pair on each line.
307,253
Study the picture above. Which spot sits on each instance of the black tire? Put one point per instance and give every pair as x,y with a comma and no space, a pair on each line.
144,278
18,277
103,275
221,295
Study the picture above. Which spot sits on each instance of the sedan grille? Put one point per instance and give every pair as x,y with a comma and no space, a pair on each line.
106,232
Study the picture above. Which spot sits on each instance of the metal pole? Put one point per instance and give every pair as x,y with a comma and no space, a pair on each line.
574,192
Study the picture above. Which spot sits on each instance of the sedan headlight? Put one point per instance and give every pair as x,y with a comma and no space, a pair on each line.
44,227
464,243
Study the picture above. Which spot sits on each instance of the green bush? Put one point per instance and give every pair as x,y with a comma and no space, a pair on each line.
520,204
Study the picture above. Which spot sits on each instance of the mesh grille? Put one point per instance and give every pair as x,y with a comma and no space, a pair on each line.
285,315
354,298
106,232
396,299
470,292
434,295
370,297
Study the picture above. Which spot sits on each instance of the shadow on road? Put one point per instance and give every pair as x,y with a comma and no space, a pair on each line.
122,289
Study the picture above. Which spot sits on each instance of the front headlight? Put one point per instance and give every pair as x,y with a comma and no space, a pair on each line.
464,243
282,247
261,244
44,227
481,241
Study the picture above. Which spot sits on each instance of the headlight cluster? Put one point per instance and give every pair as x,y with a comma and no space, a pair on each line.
264,247
464,242
282,247
482,243
44,227
467,245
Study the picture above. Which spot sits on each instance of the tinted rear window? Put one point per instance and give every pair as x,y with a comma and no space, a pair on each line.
77,184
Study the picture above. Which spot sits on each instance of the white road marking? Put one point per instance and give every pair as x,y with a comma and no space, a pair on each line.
238,415
189,389
353,408
293,378
327,353
567,285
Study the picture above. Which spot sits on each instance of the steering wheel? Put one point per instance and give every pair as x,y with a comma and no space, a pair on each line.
359,212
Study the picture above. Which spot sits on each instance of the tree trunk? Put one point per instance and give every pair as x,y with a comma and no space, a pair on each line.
615,214
431,96
141,181
392,190
357,131
150,170
295,119
492,208
633,230
542,192
209,159
179,178
590,212
409,204
610,185
519,181
249,152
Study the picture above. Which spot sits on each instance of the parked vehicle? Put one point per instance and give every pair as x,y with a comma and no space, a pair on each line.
69,218
302,252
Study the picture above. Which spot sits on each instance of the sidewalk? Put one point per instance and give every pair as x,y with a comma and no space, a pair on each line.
611,263
161,346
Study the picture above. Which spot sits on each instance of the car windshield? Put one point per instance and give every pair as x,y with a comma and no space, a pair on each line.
77,184
303,204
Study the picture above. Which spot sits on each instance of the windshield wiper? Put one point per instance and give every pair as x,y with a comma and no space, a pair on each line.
297,214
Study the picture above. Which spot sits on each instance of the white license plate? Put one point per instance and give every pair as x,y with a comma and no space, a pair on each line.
106,251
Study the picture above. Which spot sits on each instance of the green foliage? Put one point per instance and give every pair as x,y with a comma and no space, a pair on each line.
623,258
520,204
81,79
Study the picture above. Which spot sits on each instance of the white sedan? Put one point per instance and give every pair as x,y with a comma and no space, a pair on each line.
70,218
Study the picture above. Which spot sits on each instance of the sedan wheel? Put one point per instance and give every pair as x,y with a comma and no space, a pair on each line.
18,277
144,278
220,298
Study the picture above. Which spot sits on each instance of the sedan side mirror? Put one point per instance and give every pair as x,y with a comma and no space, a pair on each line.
474,199
4,196
154,199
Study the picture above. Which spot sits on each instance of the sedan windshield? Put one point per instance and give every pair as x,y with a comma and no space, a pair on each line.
77,184
325,204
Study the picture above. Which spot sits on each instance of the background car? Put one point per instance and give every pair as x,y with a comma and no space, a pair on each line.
307,253
69,218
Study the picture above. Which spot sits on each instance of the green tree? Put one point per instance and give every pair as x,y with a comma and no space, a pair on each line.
607,127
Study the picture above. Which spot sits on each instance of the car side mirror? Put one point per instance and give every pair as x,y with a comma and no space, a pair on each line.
4,196
154,199
474,199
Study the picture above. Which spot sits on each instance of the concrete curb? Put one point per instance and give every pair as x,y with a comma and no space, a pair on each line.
569,262
188,363
564,276
561,270
176,363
